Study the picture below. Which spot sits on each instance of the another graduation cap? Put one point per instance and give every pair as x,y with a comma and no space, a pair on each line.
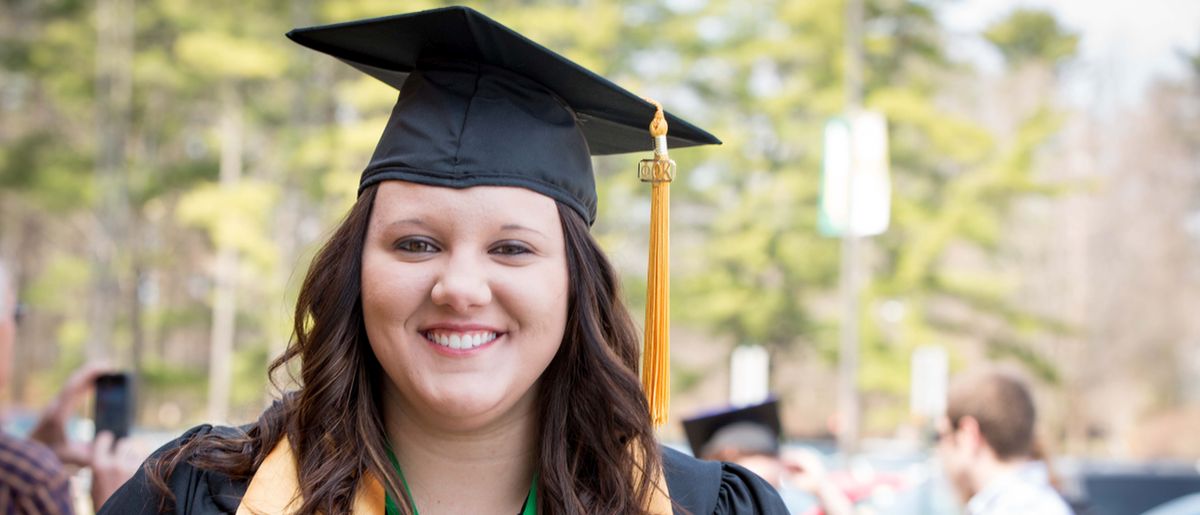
747,430
482,105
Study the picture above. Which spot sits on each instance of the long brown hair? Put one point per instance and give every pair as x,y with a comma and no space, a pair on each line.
594,429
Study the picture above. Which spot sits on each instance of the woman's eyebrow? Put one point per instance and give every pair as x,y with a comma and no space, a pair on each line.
410,221
519,227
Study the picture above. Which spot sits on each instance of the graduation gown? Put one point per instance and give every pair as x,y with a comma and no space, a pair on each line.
700,487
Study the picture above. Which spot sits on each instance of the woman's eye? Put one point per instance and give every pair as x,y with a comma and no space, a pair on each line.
415,246
510,249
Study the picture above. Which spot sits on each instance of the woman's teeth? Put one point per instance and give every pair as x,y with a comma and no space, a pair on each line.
460,341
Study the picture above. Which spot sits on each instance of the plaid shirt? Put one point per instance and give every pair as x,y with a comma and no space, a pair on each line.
32,480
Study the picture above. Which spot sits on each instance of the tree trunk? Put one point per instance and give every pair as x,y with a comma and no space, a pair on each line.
114,92
225,271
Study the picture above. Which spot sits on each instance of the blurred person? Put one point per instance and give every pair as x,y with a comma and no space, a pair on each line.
749,436
461,341
33,478
805,470
987,446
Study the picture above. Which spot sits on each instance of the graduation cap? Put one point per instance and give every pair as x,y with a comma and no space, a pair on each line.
483,105
480,104
750,430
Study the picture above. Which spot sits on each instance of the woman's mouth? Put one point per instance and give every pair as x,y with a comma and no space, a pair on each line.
460,340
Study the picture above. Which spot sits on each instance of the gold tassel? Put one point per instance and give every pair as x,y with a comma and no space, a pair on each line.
656,360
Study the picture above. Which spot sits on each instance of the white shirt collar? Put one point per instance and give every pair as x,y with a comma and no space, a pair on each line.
1032,473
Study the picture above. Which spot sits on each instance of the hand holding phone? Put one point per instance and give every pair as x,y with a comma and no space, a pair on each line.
51,426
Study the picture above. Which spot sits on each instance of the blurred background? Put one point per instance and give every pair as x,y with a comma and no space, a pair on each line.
168,168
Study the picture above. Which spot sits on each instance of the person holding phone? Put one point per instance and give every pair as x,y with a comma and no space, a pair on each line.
33,471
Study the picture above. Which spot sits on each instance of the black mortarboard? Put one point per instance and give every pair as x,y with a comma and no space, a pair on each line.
482,105
751,429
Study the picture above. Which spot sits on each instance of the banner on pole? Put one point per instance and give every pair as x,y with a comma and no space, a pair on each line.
749,368
930,377
859,141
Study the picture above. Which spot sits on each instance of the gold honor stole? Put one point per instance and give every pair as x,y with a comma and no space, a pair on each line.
275,489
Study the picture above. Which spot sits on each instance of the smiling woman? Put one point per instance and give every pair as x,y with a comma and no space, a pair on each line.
462,343
464,301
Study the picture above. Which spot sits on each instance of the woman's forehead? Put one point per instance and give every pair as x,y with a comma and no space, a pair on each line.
499,205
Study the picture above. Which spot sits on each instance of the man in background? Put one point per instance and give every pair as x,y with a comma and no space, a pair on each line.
986,443
33,479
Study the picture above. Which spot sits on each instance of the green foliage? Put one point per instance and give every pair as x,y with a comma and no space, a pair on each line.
249,372
684,378
236,217
220,55
1041,367
1193,62
919,125
1032,35
71,336
748,263
165,378
756,270
56,289
55,180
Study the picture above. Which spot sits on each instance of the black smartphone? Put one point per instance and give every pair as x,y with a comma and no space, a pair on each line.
114,404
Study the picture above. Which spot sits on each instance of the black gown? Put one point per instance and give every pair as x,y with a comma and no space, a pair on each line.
699,487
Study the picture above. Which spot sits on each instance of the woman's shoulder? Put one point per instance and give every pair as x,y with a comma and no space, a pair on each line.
195,491
703,487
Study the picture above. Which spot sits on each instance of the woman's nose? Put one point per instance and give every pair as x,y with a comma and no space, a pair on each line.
462,284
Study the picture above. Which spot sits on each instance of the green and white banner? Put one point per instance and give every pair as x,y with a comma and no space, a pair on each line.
857,142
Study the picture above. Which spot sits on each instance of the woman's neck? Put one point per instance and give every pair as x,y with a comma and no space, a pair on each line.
451,470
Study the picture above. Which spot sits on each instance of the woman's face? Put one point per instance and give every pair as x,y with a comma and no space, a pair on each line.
464,295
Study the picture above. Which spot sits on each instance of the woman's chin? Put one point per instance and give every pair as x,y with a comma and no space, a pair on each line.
470,410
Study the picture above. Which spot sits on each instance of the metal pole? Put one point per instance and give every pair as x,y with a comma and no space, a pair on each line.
848,402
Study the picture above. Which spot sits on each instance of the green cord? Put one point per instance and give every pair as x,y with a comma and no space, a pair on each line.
394,509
